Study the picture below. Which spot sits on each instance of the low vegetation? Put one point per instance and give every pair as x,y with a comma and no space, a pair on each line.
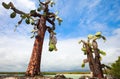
115,69
47,73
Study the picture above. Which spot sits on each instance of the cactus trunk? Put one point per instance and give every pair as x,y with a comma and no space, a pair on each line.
35,60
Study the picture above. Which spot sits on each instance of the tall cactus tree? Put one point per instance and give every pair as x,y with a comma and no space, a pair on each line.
43,16
90,48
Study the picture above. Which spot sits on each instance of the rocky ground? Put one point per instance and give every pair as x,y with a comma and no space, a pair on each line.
36,77
59,76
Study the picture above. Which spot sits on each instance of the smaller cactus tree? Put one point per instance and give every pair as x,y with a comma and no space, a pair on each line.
90,48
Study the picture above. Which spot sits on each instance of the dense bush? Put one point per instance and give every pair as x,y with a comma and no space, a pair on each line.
115,68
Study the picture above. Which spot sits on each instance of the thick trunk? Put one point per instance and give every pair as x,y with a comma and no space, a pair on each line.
35,60
91,60
99,72
98,68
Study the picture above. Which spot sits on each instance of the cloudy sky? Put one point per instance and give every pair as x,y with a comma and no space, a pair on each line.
80,18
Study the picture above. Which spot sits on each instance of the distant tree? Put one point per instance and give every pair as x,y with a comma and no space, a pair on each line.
90,48
38,18
115,68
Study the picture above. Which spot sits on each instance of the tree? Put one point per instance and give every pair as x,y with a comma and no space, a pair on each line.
115,68
43,15
90,48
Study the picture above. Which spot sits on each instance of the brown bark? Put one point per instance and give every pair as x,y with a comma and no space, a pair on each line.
98,68
91,59
35,60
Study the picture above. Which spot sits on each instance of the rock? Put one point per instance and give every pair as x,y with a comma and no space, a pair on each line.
24,77
58,76
61,76
84,77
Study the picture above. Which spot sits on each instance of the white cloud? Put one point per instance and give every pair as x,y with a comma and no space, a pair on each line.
15,53
71,10
68,56
112,47
96,26
23,5
94,4
15,49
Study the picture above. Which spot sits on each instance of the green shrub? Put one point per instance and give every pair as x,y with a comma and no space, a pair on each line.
115,68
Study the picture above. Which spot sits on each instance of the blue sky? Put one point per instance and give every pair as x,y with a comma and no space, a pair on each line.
80,18
89,16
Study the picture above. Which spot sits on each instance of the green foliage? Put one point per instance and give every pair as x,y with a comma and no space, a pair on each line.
39,9
19,22
83,49
83,65
100,58
13,15
98,34
30,18
103,38
32,21
90,36
115,68
44,14
32,11
79,42
32,36
23,16
49,73
88,46
51,47
27,21
52,41
7,6
52,3
102,52
106,66
12,73
59,20
56,13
